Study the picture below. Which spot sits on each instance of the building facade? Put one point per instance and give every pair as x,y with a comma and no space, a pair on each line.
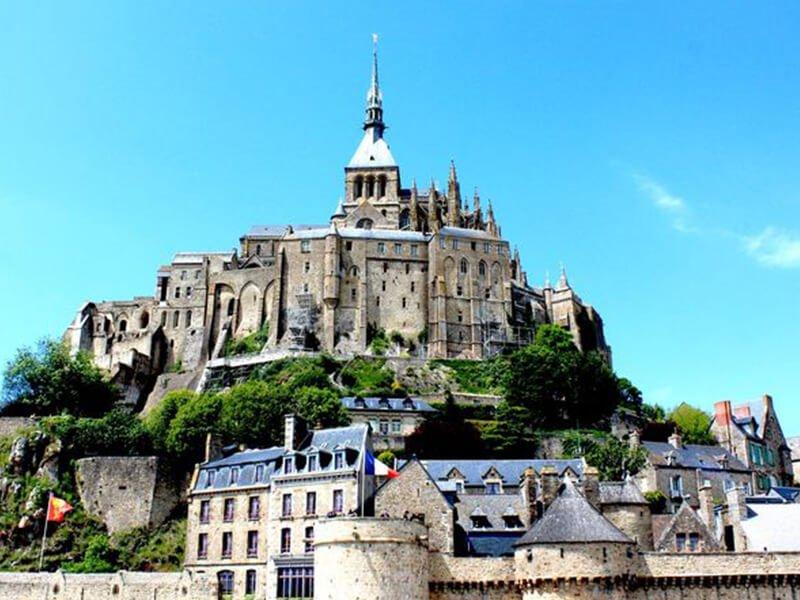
420,263
391,420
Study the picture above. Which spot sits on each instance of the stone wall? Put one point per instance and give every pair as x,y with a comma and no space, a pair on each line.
126,491
123,585
9,426
364,559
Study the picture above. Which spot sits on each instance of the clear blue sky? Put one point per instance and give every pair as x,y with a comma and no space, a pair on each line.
652,147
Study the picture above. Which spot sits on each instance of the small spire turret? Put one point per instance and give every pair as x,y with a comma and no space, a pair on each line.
374,119
453,198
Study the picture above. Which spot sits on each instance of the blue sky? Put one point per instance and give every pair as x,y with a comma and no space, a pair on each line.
651,147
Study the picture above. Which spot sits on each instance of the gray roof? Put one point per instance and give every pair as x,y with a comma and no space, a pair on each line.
570,519
510,470
621,492
492,506
693,456
412,404
384,234
491,544
462,232
325,441
196,258
268,230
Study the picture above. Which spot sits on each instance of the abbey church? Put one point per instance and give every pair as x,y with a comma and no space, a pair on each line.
418,263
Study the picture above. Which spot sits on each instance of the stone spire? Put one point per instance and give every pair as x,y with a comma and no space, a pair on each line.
563,282
413,206
453,198
491,224
374,118
433,209
477,215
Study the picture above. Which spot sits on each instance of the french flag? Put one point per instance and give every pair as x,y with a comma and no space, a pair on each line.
372,466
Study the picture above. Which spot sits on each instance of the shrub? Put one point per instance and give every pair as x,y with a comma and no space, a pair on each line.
249,344
657,501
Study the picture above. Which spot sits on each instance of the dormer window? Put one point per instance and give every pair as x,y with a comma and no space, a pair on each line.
480,522
408,404
512,521
459,487
259,473
288,464
360,403
384,403
494,488
212,476
338,460
234,478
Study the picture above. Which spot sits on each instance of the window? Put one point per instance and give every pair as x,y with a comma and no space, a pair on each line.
396,425
176,318
353,294
305,288
212,475
384,426
680,542
408,268
493,488
250,582
197,274
286,505
676,486
404,302
225,580
286,540
202,545
377,300
312,463
258,249
252,544
305,246
338,460
227,544
482,269
288,464
460,487
487,247
311,503
188,318
442,243
460,317
364,224
480,521
309,540
188,291
459,290
383,286
770,457
338,501
177,291
295,582
398,248
205,511
414,250
348,245
164,319
694,542
385,267
381,248
473,246
259,473
228,513
234,477
306,267
512,522
254,508
464,266
413,286
183,275
455,244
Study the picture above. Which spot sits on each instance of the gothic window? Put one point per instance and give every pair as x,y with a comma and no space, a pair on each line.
176,316
231,306
405,219
370,187
464,266
123,326
188,318
482,269
144,320
354,271
364,224
381,186
358,187
177,291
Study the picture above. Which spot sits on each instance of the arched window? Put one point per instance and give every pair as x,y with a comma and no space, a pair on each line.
381,186
364,224
370,187
464,266
188,318
482,269
258,249
225,579
144,319
123,326
405,219
354,271
358,187
231,306
176,317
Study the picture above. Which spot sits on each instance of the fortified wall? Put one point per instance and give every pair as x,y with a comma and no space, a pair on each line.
123,585
359,558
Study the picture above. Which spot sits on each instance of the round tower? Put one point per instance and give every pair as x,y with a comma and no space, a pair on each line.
625,506
571,538
358,558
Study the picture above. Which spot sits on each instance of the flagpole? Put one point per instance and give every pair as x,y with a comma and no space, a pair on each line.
363,468
44,533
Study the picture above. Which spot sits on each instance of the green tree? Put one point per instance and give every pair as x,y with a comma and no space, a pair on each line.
388,458
510,435
46,380
693,424
321,407
447,435
613,458
192,423
158,421
252,413
654,413
117,433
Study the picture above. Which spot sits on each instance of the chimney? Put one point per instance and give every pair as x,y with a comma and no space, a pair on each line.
294,430
634,439
766,402
743,411
527,488
213,447
675,440
706,509
591,485
548,485
722,413
737,507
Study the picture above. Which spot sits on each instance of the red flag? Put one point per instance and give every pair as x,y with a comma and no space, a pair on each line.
57,509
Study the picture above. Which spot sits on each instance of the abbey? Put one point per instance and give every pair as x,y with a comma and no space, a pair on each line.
415,262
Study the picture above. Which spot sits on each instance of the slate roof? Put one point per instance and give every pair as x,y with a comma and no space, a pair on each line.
491,544
621,492
384,234
353,438
462,232
412,404
373,151
693,456
769,527
570,519
492,506
196,258
787,494
510,470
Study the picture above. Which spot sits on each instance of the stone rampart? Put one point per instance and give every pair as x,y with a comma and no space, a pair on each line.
9,426
124,585
662,564
363,559
126,491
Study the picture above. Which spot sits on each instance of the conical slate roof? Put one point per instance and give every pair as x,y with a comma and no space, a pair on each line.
621,492
572,519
